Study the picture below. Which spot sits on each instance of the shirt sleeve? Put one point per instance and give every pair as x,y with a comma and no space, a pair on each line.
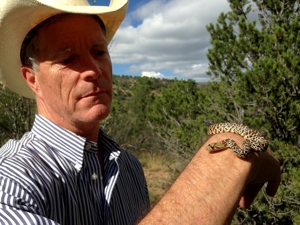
17,207
10,216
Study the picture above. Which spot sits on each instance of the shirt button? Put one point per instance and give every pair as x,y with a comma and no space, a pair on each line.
88,146
94,176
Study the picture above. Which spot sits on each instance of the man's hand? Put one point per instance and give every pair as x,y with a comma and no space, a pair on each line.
265,169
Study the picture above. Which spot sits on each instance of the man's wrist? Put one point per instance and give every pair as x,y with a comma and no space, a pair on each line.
242,166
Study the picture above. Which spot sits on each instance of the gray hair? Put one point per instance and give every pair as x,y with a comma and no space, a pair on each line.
29,53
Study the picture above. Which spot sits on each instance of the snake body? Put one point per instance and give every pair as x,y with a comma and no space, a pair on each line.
254,141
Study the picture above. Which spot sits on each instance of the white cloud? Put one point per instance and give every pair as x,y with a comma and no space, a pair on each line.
152,74
171,36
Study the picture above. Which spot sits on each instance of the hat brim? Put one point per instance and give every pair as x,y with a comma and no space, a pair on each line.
18,19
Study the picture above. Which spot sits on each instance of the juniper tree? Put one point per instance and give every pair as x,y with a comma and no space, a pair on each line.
255,54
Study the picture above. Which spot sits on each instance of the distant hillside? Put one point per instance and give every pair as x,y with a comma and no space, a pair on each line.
123,85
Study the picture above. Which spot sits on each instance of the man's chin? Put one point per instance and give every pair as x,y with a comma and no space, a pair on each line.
98,113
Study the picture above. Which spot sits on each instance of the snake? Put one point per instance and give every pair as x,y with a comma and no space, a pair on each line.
254,141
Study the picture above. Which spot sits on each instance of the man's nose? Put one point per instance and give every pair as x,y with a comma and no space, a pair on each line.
91,68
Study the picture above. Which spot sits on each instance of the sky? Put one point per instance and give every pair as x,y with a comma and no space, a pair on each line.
165,38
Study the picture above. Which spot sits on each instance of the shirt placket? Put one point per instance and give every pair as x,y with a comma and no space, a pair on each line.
111,169
94,181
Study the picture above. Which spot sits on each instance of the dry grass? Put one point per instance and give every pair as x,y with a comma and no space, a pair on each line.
160,172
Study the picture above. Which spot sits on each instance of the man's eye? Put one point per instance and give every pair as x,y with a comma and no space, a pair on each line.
67,60
100,52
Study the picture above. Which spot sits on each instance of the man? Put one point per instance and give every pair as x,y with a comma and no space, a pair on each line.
66,170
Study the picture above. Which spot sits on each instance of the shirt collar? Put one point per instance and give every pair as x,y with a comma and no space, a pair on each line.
72,146
66,143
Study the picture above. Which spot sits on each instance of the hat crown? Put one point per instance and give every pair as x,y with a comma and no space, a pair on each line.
65,2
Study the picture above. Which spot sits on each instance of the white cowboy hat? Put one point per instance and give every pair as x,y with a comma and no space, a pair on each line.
18,17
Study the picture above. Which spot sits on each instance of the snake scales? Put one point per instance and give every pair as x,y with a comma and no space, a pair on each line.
254,141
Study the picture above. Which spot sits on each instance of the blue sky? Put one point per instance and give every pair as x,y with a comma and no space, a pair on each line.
164,38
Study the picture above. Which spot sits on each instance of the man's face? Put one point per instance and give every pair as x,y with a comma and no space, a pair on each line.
75,72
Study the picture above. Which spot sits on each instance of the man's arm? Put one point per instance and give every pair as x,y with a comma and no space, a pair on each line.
213,184
16,209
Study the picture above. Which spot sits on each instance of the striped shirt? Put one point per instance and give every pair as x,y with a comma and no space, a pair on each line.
53,176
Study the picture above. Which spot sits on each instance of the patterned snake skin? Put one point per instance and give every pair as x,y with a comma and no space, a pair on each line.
253,139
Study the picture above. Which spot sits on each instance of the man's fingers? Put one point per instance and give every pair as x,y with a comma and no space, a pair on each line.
274,183
272,187
249,195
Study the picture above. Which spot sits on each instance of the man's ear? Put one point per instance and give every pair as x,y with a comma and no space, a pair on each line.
30,77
